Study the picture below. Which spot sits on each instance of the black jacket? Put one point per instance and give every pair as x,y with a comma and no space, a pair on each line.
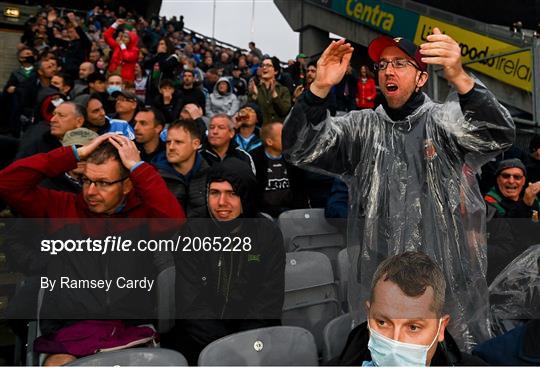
356,351
223,292
190,192
297,197
193,95
166,68
510,229
170,111
25,87
213,158
74,51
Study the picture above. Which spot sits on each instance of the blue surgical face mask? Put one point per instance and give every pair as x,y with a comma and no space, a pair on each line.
388,352
112,89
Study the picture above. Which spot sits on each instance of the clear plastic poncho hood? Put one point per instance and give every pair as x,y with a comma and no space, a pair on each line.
412,186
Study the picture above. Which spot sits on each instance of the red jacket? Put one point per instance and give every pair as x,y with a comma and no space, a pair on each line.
19,188
366,93
146,207
124,59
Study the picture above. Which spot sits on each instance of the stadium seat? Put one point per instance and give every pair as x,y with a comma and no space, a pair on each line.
310,293
271,346
335,336
342,267
133,357
166,299
34,331
307,229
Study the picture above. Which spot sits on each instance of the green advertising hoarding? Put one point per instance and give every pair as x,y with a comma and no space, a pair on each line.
383,17
515,69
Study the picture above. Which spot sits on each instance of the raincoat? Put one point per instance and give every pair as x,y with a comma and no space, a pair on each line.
414,180
123,60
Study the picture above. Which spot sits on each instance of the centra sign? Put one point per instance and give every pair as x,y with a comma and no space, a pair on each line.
384,17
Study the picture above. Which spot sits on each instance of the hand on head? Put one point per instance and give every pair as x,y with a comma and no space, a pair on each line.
129,154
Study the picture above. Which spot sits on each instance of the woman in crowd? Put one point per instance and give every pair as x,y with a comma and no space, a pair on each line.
366,91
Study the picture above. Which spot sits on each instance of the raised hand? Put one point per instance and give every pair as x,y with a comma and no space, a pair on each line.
531,192
51,16
331,67
253,88
72,18
442,50
194,111
297,92
129,154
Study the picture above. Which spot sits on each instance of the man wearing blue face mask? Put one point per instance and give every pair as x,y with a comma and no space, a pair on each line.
406,324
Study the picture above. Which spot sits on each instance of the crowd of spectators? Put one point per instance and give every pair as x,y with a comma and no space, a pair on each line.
199,114
115,64
205,119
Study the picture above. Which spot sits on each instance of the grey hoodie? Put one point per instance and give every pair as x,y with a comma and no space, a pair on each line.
217,103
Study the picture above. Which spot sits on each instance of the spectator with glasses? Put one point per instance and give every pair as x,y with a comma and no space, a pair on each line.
508,198
512,211
127,105
273,98
116,184
406,163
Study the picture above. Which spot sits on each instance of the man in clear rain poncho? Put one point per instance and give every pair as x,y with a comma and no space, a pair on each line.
409,166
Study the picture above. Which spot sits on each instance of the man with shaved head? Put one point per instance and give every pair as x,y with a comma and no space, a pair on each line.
85,69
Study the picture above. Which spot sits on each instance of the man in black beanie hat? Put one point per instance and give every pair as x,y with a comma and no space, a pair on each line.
512,214
508,197
224,291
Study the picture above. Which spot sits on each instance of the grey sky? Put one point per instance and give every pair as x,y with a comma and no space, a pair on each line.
271,33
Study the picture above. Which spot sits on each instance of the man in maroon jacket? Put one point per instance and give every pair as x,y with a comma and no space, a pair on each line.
113,185
116,184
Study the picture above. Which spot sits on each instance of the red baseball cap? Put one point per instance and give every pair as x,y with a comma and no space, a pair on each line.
377,46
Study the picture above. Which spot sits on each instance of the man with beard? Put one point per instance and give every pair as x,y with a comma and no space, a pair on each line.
189,92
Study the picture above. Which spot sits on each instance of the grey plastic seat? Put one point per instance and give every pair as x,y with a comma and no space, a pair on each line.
335,336
133,357
343,267
308,229
310,293
166,299
271,346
